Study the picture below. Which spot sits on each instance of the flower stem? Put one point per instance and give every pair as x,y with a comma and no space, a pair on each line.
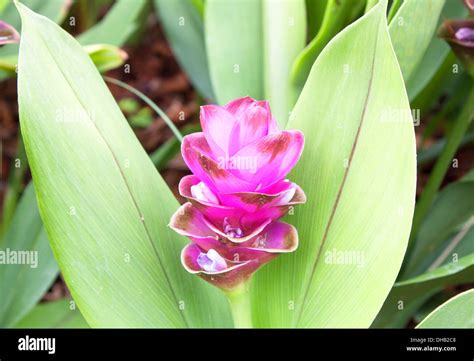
239,299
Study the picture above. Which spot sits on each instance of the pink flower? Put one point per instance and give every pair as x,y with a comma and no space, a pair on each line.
237,192
459,33
8,34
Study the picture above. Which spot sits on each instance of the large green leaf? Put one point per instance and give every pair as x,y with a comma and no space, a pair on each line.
358,170
104,206
56,314
251,46
337,14
235,48
284,29
22,285
443,254
408,296
458,312
120,24
411,31
314,15
456,268
446,232
185,31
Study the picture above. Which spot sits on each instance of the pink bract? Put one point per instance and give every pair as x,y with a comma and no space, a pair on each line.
237,192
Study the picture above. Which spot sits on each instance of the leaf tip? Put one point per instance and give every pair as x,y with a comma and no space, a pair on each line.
22,8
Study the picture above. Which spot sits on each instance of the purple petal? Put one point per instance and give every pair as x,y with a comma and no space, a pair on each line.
230,251
465,35
228,278
189,258
211,261
8,34
226,264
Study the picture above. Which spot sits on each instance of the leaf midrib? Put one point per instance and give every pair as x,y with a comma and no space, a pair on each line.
122,175
343,182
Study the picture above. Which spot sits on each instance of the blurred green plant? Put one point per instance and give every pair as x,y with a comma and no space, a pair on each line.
455,313
337,14
27,267
430,75
137,117
254,57
443,254
150,103
56,314
183,25
55,10
103,40
123,23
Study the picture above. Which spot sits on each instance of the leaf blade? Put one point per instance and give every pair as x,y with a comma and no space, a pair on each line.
185,32
447,224
22,285
102,191
443,255
284,29
411,31
353,227
455,313
408,296
118,26
235,57
435,55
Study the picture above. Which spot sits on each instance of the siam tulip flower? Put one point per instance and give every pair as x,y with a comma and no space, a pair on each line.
237,193
459,34
8,34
